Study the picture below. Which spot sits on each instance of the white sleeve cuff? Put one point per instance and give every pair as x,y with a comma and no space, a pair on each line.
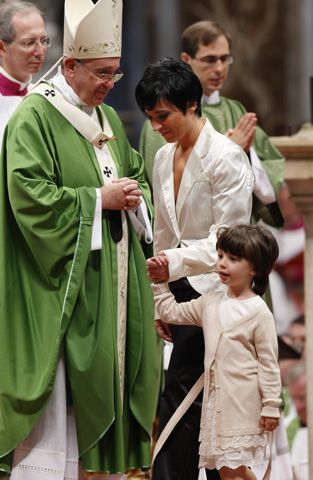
141,222
263,188
96,237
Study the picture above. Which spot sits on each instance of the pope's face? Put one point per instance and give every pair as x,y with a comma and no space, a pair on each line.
211,77
82,77
18,61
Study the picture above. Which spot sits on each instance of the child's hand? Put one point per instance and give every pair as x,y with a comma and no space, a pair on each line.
269,423
158,268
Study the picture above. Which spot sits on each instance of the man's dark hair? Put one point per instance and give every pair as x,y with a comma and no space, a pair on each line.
299,320
203,32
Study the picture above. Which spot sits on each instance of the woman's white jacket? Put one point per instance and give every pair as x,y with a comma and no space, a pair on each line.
215,190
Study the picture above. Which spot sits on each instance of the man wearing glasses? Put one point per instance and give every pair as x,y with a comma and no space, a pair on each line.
78,343
23,46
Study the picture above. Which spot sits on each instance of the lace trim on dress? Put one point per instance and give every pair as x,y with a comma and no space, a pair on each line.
243,457
244,441
235,451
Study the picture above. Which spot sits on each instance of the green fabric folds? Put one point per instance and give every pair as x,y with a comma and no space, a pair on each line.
53,289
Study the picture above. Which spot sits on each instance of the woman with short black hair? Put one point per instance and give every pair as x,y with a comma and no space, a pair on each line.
201,181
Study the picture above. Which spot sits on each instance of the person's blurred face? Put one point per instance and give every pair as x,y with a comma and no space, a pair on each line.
18,61
85,83
297,392
213,76
297,333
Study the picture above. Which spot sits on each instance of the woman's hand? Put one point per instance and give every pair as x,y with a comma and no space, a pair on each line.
164,330
269,423
157,268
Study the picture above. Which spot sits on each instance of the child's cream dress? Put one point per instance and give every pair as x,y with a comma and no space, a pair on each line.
238,450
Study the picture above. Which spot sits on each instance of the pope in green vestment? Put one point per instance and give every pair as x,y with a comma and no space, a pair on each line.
225,115
54,290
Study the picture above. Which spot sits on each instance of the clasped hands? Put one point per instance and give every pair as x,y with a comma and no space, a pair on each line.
157,268
121,194
244,132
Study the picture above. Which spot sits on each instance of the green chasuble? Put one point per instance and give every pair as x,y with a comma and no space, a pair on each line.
223,116
54,290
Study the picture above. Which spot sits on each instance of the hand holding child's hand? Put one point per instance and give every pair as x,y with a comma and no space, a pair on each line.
269,424
158,268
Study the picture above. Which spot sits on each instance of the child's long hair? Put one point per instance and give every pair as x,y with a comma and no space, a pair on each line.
254,243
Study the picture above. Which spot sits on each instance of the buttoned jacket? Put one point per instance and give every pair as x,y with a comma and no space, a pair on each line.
215,190
244,355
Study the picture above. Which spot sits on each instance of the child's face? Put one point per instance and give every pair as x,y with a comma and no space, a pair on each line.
237,273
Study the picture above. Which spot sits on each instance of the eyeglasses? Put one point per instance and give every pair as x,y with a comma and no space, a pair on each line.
211,60
32,44
104,77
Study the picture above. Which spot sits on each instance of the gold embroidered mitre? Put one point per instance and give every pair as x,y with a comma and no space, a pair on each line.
92,30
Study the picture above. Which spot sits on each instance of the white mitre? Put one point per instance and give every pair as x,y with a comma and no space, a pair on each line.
92,30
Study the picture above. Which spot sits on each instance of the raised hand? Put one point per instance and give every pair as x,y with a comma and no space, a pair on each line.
244,132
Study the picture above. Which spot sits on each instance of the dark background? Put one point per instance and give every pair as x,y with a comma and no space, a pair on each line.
272,46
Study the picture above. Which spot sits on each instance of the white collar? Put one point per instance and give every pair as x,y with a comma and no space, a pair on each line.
9,77
61,84
212,99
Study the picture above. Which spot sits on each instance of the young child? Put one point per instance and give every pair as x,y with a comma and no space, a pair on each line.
242,379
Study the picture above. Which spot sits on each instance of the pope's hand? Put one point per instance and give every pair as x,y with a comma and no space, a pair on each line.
123,193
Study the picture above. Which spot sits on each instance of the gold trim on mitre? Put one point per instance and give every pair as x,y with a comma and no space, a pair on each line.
92,30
